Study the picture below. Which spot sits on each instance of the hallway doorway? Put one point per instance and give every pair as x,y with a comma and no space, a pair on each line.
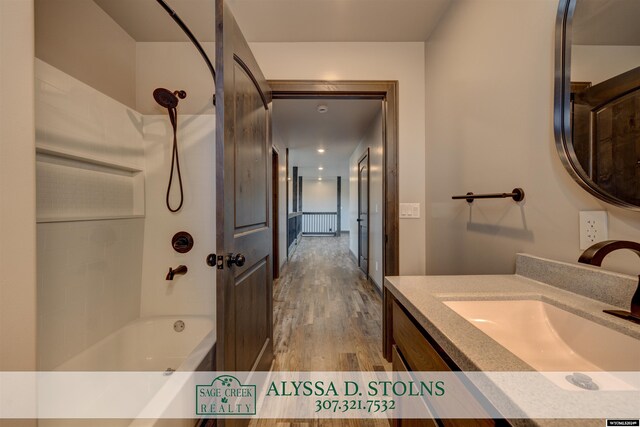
330,287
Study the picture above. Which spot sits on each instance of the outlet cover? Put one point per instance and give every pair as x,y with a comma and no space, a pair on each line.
593,228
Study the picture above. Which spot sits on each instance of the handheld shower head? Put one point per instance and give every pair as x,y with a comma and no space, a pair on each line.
168,99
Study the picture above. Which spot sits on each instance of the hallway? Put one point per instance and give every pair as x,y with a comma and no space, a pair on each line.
327,316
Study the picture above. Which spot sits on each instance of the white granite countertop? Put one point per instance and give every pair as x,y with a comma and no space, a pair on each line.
472,350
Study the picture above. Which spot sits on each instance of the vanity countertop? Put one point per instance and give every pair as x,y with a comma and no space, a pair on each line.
468,347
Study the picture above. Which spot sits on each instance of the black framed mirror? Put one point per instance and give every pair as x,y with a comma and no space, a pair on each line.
597,97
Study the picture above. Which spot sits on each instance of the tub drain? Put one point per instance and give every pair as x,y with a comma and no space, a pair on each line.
583,381
178,326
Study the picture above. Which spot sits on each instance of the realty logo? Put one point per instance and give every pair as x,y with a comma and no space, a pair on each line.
226,395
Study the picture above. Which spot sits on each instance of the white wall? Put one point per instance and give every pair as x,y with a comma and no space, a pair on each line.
596,64
193,293
371,61
17,192
345,203
89,271
489,92
319,196
175,66
372,140
282,199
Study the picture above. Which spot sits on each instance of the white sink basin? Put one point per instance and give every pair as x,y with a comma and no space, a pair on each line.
548,338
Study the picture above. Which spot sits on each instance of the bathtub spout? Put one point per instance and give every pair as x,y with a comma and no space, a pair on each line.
181,269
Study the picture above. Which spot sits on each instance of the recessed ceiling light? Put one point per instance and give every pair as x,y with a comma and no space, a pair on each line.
322,108
320,179
320,168
320,150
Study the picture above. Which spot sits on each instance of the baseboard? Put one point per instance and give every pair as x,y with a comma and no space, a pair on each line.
353,256
375,286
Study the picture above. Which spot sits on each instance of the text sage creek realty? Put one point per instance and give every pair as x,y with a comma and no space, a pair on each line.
352,388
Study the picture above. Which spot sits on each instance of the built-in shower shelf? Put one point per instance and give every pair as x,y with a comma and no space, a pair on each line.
87,218
84,158
77,187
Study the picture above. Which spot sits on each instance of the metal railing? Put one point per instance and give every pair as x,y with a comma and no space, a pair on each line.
294,227
319,223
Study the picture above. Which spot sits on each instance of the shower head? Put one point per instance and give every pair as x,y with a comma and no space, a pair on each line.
168,99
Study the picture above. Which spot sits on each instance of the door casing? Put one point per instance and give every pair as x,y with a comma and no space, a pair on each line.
387,92
365,267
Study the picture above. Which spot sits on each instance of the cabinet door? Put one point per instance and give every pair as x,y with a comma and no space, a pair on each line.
421,356
398,365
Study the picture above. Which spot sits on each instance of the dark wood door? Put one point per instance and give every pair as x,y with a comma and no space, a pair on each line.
244,217
363,213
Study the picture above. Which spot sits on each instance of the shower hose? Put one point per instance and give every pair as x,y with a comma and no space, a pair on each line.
175,161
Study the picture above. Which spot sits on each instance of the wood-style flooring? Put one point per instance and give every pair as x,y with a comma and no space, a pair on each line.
327,317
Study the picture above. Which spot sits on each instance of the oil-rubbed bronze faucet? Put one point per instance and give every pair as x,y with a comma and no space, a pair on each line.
181,269
594,256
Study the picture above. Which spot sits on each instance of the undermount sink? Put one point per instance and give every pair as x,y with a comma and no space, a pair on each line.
549,338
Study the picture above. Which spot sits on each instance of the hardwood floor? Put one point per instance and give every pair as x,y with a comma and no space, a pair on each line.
327,317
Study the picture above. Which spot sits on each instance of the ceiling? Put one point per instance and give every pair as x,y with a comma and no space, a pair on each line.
147,21
606,22
298,125
337,20
284,20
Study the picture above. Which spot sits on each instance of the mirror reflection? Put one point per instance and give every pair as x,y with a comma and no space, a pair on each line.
605,95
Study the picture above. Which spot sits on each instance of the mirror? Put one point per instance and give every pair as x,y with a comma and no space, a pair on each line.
597,97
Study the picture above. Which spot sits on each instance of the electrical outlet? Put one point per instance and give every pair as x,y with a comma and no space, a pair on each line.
593,228
376,265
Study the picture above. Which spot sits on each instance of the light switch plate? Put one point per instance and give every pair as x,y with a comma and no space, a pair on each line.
593,228
410,210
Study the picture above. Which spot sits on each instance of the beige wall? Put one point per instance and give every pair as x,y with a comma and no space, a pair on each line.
18,205
371,61
94,49
17,188
596,64
489,92
373,141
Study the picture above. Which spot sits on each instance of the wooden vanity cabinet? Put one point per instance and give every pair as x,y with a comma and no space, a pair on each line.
413,349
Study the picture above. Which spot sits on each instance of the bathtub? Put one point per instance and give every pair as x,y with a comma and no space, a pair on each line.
147,344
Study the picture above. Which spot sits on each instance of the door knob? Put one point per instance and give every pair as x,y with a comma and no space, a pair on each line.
237,259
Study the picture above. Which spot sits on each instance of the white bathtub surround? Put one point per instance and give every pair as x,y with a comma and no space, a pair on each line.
194,292
100,160
149,344
144,345
89,264
88,284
